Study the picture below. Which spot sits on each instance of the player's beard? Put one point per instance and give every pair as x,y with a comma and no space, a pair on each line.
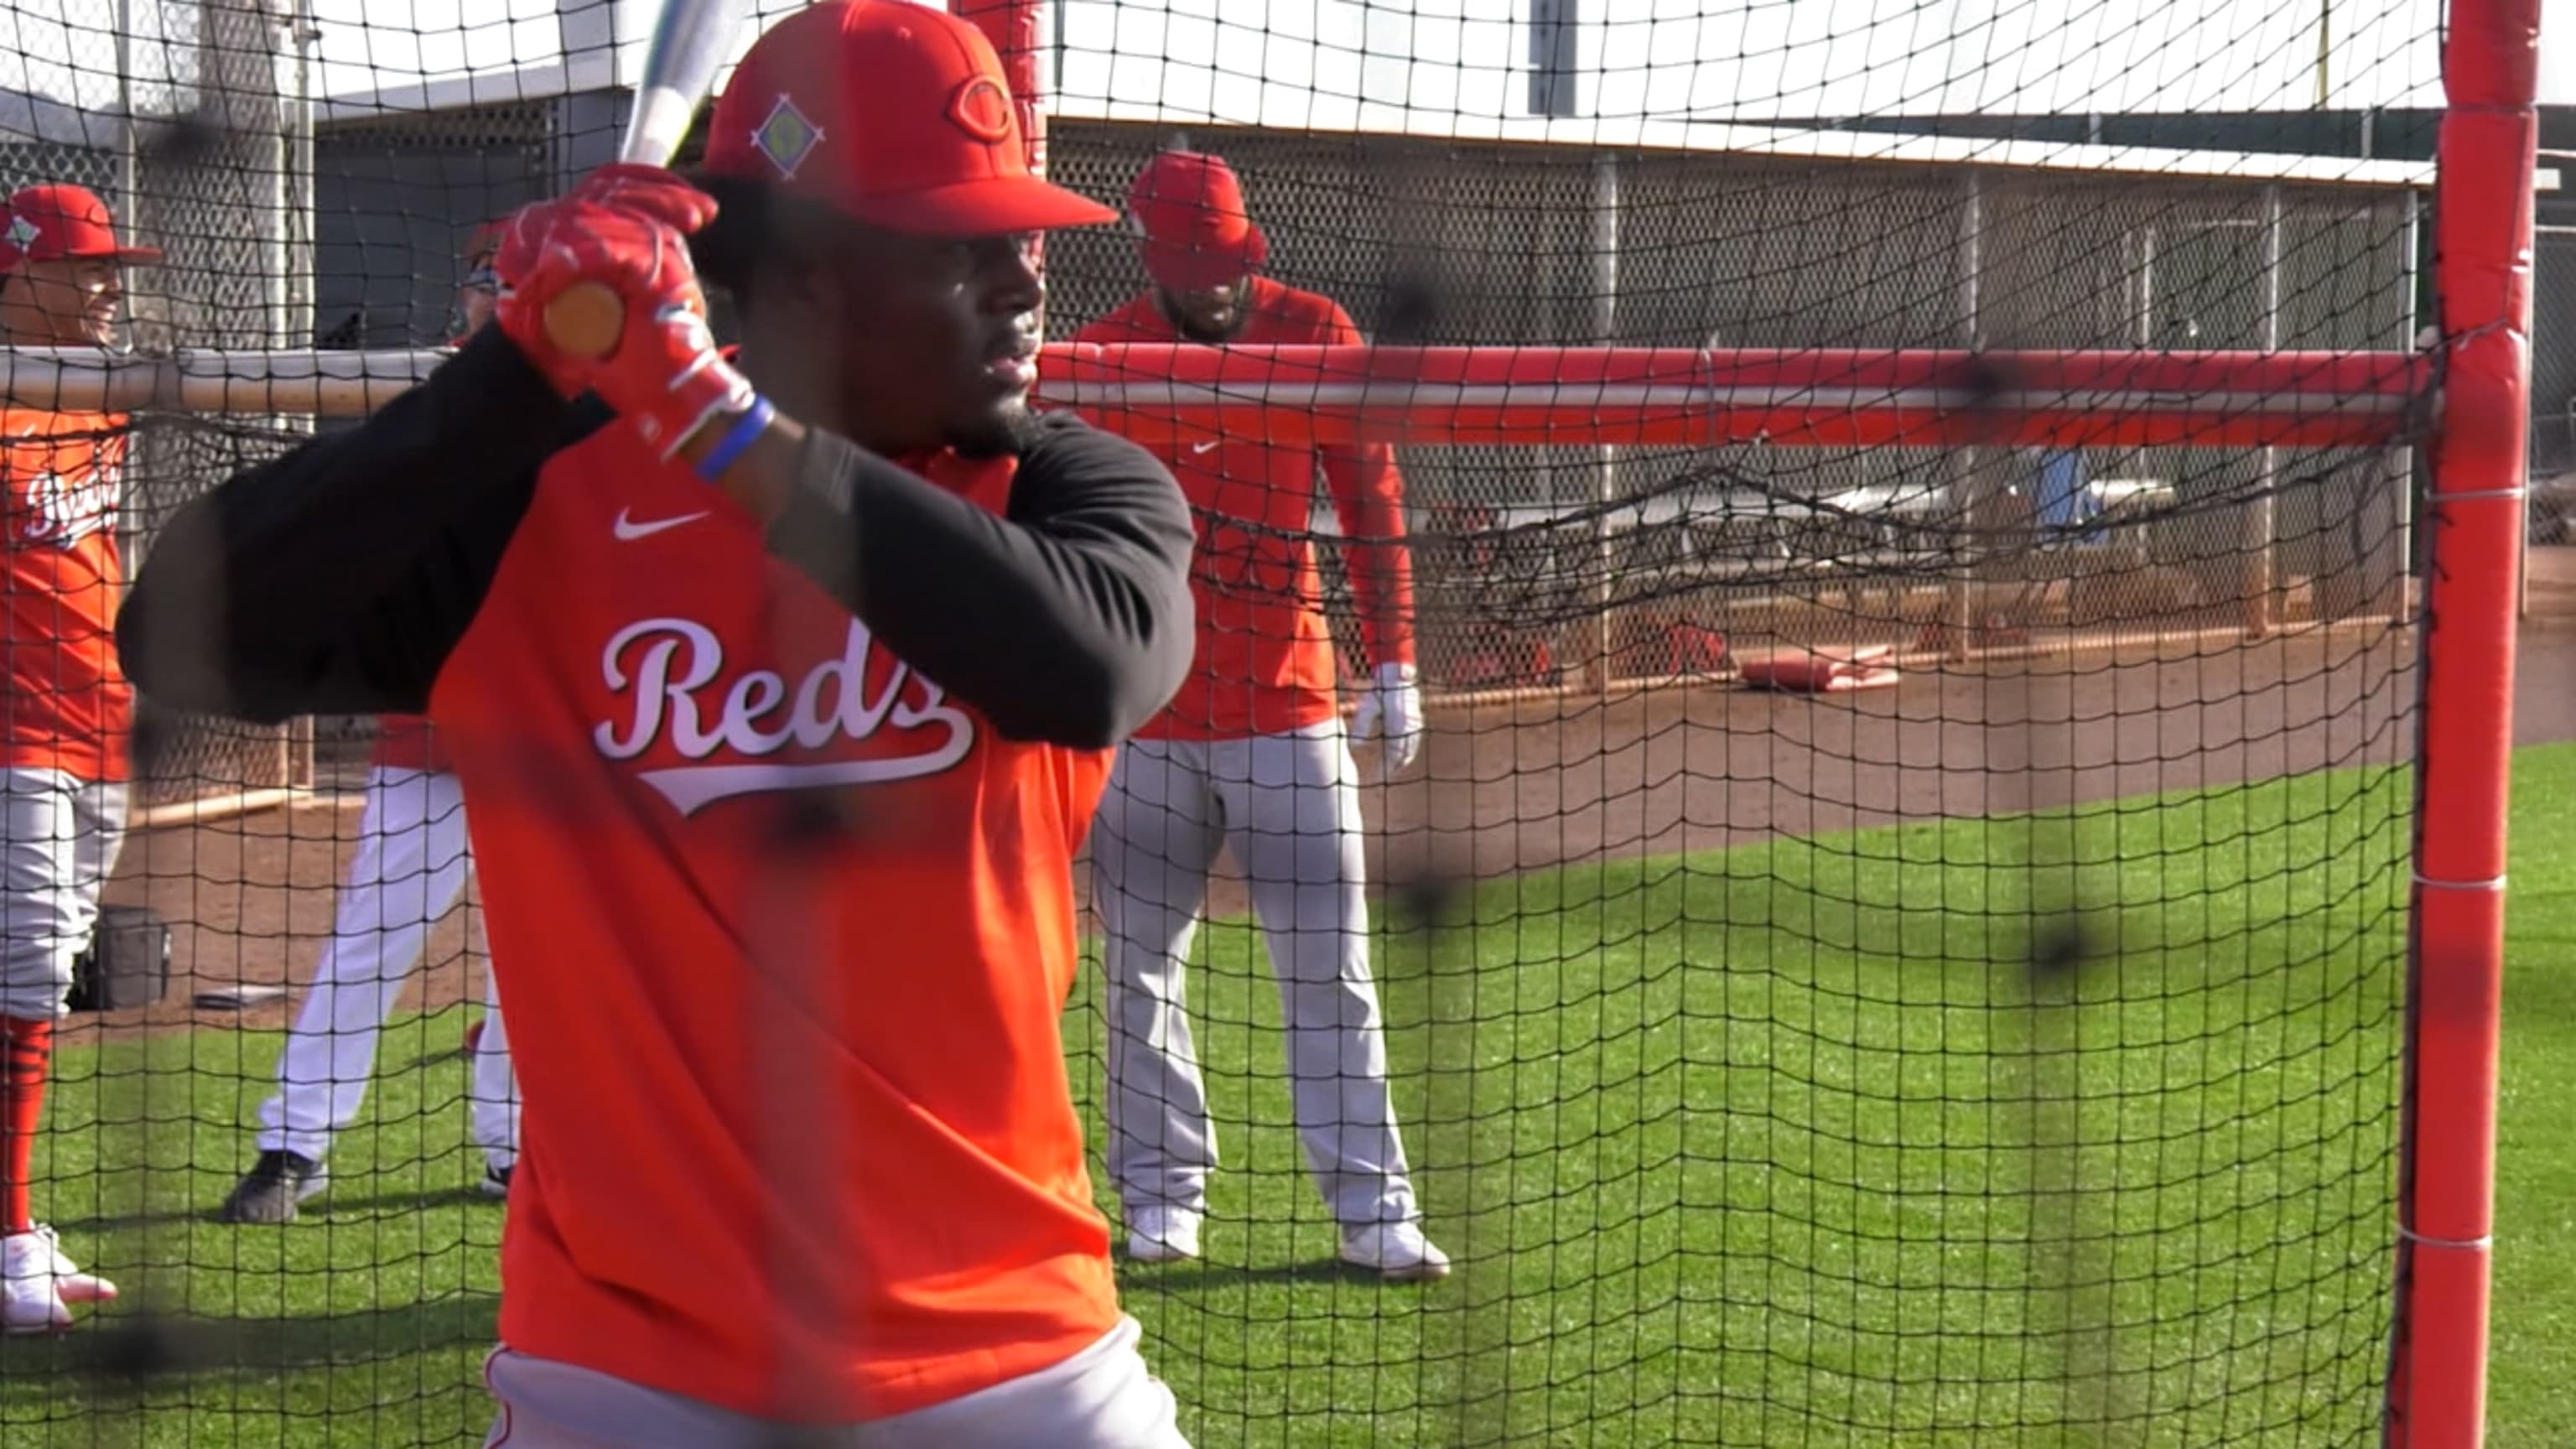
1189,315
1005,432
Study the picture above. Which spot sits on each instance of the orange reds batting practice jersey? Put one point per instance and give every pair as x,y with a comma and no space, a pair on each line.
1266,658
775,1063
69,707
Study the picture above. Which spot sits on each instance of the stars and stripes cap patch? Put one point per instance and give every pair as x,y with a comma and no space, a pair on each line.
57,221
786,136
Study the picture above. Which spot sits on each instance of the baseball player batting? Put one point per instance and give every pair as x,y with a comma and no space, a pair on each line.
409,871
68,710
1252,756
782,688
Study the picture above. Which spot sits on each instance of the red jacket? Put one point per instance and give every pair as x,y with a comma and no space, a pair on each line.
68,705
1266,659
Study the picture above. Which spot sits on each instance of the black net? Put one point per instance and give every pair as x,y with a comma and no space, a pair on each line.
1895,939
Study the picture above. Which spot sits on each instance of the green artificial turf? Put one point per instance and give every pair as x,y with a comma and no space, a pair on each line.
1788,1145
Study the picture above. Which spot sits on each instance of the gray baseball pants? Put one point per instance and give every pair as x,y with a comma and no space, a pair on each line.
1288,807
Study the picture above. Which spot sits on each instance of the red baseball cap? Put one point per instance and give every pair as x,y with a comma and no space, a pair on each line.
481,247
894,113
1189,209
52,222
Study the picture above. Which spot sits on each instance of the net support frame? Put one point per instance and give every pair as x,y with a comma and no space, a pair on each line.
1502,396
2483,245
1971,399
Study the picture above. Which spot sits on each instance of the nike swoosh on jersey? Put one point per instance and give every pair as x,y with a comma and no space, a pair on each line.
628,530
1208,447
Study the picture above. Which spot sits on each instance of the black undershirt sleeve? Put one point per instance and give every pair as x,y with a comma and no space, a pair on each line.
337,578
1067,621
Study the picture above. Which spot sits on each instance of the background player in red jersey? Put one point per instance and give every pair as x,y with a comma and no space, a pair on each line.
782,701
409,870
1252,755
67,711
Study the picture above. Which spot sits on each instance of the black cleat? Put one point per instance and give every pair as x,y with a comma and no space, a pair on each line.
269,1192
496,1182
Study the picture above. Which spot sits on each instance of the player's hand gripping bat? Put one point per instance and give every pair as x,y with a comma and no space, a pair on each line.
691,40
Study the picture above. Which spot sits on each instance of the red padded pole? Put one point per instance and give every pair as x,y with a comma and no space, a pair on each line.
2482,276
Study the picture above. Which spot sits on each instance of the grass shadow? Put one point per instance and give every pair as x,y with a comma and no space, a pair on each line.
336,1206
1183,1276
342,1206
132,1353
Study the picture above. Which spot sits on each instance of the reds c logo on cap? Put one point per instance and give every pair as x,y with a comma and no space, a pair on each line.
982,109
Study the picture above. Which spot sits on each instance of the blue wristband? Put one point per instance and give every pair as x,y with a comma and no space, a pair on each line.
737,439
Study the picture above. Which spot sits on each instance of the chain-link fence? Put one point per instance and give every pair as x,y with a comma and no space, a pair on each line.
1538,563
398,199
201,153
278,233
2553,386
1533,560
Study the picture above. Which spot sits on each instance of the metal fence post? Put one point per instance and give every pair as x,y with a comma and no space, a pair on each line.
1968,500
2262,514
1605,328
2553,378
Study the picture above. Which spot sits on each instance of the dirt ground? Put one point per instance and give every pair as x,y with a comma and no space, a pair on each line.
1522,785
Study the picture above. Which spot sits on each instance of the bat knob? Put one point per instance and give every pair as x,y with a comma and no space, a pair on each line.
585,319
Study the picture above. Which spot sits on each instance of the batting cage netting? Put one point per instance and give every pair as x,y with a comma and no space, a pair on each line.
1958,564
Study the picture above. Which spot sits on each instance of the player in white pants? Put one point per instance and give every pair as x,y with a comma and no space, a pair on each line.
1251,756
409,871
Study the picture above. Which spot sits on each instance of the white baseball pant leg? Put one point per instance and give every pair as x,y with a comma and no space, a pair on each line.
410,868
59,839
1289,807
493,1084
1101,1398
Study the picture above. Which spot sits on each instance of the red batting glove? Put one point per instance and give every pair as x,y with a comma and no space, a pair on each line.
646,190
664,374
653,190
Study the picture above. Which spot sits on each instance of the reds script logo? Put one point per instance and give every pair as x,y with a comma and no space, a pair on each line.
670,669
60,511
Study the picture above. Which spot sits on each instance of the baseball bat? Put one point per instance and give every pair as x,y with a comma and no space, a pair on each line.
690,41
